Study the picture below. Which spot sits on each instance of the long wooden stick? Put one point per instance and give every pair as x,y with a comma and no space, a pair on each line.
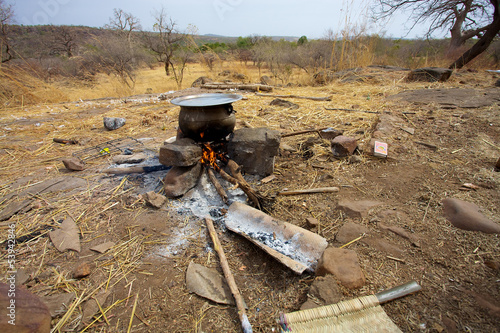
251,194
218,187
311,190
303,132
245,323
328,98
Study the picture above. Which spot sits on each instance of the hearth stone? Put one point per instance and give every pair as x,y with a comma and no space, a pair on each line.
179,180
254,149
182,152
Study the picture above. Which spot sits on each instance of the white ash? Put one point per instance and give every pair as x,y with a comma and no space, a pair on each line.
203,201
276,241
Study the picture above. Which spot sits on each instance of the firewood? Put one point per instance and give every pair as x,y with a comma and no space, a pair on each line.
328,98
304,132
252,87
251,193
311,190
218,187
240,304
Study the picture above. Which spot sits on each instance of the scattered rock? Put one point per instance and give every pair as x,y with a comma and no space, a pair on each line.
101,248
465,215
497,83
179,180
201,81
357,209
350,231
15,207
383,246
113,123
344,265
154,199
287,147
82,270
401,232
73,163
239,76
129,159
494,265
284,103
208,283
67,237
487,303
451,97
324,291
409,130
27,314
355,159
90,307
330,133
22,276
430,74
325,288
183,152
266,80
58,304
343,146
312,222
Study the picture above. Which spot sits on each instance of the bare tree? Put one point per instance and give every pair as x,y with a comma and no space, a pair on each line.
63,41
165,40
124,22
465,19
6,14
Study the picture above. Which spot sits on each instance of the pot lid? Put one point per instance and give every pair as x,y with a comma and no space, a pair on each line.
206,99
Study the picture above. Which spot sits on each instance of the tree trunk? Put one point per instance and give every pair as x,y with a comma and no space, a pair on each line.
482,44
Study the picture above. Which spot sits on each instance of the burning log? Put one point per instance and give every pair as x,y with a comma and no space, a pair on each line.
254,197
218,187
209,159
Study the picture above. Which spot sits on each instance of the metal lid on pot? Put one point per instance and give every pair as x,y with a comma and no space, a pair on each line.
206,99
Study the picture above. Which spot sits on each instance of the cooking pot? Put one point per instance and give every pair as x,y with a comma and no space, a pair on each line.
206,117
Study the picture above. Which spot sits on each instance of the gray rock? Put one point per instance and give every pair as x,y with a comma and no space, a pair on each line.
465,215
343,146
58,304
179,180
126,159
324,290
254,149
74,164
312,222
430,74
350,231
266,80
201,81
344,265
330,133
357,209
284,103
112,123
183,152
154,199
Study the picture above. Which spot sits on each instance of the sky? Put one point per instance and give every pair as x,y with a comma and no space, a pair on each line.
311,18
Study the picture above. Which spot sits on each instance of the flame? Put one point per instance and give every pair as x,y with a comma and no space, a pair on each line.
210,156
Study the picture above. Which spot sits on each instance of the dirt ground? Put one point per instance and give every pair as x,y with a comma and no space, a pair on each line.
458,270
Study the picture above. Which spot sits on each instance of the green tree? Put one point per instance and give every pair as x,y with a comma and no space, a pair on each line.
302,40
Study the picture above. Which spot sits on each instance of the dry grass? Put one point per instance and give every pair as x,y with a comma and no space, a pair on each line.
109,209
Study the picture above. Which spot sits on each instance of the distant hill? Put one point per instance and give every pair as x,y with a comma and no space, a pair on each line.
225,39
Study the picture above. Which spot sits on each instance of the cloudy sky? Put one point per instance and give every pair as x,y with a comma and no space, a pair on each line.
311,18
